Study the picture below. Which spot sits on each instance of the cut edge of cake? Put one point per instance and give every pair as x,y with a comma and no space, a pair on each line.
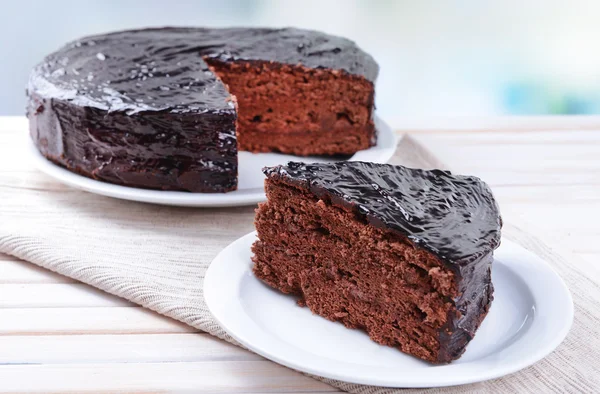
297,110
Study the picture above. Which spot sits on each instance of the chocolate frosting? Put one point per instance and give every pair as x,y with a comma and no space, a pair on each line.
453,216
152,69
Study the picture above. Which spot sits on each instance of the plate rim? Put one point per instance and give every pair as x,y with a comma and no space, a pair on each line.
212,289
240,197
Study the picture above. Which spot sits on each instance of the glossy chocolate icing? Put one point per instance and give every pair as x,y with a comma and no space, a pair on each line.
454,217
142,108
165,69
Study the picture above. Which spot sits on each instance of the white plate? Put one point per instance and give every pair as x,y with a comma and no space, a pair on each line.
250,178
530,316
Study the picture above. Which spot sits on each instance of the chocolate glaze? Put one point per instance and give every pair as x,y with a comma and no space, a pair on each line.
164,69
142,108
454,217
156,150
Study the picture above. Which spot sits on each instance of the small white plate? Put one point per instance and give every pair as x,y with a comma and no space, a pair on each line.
250,177
531,314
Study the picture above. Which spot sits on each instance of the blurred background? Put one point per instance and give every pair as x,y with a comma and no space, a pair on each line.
437,58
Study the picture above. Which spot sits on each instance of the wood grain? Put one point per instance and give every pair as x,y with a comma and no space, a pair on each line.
126,348
56,296
192,377
15,271
77,320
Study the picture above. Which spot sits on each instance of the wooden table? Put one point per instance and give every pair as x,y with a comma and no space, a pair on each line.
60,335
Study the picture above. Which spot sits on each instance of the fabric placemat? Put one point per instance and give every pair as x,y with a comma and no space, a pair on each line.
156,256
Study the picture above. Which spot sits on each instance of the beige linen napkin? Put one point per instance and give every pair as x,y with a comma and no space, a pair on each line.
157,256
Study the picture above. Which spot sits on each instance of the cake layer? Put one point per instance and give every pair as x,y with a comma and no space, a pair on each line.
343,270
348,265
151,96
298,110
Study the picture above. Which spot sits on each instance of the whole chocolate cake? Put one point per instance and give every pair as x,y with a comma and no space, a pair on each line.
160,108
404,254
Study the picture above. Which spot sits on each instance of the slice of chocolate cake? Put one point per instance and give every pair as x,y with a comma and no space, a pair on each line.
404,254
156,108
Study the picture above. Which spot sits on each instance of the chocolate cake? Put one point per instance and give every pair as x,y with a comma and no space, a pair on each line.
168,108
404,254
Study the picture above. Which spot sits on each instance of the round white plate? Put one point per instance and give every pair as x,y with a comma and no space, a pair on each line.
531,314
250,177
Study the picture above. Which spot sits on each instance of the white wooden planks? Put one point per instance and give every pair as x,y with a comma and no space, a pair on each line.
78,320
192,377
521,159
497,123
99,349
56,296
14,271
